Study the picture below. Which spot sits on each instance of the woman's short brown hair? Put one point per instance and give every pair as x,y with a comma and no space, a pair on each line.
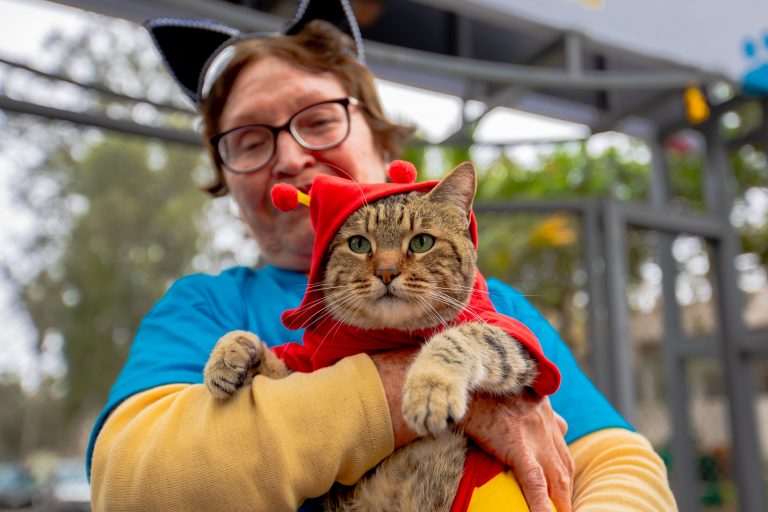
319,47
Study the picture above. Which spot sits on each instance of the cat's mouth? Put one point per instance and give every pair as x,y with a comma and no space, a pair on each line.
389,295
305,188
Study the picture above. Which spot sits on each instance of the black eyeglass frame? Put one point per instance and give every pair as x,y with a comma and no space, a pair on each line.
275,130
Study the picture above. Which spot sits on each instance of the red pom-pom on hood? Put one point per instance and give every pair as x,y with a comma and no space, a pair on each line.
401,171
285,197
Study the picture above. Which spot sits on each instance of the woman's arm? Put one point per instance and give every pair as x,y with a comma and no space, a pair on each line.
613,470
618,471
267,448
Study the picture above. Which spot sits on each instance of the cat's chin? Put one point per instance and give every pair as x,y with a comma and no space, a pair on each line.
388,298
391,311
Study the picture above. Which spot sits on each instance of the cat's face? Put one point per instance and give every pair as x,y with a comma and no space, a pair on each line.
405,261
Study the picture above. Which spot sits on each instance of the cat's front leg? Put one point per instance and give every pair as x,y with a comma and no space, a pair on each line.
235,359
453,363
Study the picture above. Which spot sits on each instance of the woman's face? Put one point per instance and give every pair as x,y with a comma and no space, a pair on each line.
269,91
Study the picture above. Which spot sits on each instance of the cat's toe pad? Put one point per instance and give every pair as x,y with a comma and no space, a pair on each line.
227,369
431,402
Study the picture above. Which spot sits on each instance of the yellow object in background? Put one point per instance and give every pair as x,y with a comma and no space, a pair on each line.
696,106
555,231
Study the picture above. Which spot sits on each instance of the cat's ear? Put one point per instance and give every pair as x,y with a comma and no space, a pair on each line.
458,188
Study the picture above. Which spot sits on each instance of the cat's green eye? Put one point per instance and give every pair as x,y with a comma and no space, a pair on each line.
359,244
421,243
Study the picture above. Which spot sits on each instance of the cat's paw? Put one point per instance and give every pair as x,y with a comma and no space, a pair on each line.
433,399
233,356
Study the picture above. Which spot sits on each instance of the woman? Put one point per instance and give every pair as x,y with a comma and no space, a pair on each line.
163,443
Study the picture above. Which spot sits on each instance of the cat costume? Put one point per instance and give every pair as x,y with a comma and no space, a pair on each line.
326,341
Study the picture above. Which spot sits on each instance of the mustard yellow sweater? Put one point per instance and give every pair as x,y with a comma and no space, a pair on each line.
174,448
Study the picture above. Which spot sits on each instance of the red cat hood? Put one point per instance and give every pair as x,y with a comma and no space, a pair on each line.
333,200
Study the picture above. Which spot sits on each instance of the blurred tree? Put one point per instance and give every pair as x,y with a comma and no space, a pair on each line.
134,227
12,405
115,220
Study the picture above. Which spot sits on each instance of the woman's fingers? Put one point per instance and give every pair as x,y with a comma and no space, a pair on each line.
534,483
525,434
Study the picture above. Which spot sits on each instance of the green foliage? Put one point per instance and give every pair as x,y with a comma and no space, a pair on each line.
114,219
133,232
750,167
568,172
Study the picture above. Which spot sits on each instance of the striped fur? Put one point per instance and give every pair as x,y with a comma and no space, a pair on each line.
394,286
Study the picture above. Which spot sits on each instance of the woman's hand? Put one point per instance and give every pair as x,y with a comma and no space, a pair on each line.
526,434
523,432
393,367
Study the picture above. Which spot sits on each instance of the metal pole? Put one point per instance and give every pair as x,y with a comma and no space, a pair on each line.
384,54
616,259
99,88
574,55
598,332
684,477
512,74
738,374
100,121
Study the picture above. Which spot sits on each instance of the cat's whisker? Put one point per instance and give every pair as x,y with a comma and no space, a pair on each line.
488,292
451,300
339,322
325,287
328,302
446,299
349,313
431,311
467,289
315,302
312,287
333,294
350,303
327,310
452,311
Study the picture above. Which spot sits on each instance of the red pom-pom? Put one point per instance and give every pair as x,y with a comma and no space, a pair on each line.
285,197
401,171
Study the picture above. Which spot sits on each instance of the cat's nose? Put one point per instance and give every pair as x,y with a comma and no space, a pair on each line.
387,274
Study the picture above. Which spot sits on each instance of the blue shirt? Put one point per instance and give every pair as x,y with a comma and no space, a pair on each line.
176,337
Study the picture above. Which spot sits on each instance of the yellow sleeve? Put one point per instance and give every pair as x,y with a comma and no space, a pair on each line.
267,448
618,471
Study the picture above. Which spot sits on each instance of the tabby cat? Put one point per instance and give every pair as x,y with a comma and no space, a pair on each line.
405,262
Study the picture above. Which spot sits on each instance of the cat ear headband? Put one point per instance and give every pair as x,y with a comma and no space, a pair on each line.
197,51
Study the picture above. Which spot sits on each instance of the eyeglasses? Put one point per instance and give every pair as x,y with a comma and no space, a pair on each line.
320,126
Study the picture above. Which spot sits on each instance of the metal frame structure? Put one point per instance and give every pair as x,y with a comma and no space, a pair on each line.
643,103
605,224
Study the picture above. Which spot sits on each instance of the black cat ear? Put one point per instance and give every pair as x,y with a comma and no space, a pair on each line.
458,188
187,47
195,50
337,12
